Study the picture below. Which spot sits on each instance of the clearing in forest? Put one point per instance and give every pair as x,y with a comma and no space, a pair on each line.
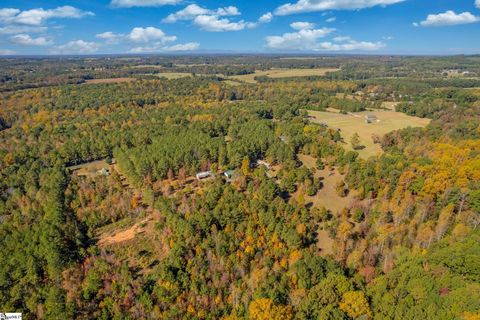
327,196
90,169
110,80
117,236
174,75
348,124
283,73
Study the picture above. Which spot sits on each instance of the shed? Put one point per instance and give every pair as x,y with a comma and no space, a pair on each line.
103,172
228,174
369,118
203,175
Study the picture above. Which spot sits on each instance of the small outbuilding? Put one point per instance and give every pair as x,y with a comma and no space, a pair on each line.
370,118
229,174
103,172
203,175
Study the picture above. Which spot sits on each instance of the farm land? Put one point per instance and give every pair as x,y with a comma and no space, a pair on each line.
349,124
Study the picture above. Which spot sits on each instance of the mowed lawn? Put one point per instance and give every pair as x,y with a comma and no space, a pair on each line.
283,73
350,123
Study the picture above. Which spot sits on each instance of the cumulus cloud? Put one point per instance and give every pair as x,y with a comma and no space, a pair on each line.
191,46
304,39
267,17
110,37
302,25
308,38
76,47
350,45
37,17
477,3
149,34
27,40
216,24
142,3
449,18
6,52
15,29
322,5
190,12
215,20
146,40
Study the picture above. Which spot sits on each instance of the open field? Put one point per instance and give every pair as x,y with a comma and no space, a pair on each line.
389,105
355,122
283,73
89,169
173,75
327,196
110,80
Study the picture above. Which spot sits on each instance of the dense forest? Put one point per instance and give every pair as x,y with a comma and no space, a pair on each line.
143,238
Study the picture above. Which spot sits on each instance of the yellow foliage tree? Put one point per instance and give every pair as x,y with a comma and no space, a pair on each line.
264,309
355,304
246,166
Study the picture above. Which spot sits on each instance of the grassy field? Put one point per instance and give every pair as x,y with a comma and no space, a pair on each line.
355,122
110,80
174,75
283,73
90,169
327,196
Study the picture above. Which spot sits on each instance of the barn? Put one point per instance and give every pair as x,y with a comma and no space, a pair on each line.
370,118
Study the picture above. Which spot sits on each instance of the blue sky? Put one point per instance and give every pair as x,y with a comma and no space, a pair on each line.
240,26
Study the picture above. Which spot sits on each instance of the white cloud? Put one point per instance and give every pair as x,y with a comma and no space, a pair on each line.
216,24
267,17
149,34
305,39
146,40
190,12
27,40
322,5
350,45
477,3
302,25
158,47
6,52
13,29
332,19
110,37
308,38
342,39
76,47
142,3
215,20
36,17
449,18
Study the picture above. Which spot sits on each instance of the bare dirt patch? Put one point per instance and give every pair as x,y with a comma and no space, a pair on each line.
124,235
324,242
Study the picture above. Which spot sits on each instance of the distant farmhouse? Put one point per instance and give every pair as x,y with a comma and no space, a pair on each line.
370,118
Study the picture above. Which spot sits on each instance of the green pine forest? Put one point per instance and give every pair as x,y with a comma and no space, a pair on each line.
147,240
